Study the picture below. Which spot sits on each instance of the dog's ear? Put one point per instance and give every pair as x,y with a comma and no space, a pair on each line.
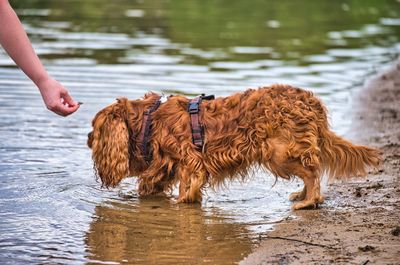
109,143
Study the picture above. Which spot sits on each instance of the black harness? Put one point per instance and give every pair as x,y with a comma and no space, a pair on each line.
195,123
145,133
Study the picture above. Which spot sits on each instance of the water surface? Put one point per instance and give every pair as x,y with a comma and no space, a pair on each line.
53,211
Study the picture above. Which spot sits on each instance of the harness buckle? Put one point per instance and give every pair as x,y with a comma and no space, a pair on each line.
194,107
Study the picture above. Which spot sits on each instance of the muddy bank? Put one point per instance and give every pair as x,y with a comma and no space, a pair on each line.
360,221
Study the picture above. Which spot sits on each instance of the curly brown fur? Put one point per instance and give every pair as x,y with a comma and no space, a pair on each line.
280,128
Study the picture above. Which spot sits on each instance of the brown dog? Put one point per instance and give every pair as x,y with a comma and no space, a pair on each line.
280,128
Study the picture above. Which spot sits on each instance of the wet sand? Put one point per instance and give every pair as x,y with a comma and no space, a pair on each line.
360,221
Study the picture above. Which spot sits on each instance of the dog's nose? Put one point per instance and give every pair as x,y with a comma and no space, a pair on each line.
90,139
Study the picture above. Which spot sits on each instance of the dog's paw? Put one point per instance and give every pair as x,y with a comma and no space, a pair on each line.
309,204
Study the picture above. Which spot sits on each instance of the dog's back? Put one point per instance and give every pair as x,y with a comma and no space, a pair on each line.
257,126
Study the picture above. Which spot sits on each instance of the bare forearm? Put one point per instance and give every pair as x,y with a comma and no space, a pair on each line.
14,40
16,43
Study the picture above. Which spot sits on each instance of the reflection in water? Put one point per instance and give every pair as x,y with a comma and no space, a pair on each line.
51,208
155,231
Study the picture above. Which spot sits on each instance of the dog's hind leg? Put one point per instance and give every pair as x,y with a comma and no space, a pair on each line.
312,195
285,166
298,195
301,195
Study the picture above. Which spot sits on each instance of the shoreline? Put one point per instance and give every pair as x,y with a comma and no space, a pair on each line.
359,221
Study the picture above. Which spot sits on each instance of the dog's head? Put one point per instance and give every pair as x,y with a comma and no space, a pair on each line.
115,152
109,141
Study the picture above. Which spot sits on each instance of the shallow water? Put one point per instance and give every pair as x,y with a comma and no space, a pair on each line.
52,210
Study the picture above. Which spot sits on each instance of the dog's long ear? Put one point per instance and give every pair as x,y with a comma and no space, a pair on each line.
109,143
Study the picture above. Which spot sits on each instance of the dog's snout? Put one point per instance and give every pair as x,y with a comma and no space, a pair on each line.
90,139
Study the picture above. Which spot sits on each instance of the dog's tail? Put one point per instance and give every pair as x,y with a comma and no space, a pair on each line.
342,159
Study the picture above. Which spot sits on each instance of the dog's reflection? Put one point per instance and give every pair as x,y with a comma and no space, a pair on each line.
156,231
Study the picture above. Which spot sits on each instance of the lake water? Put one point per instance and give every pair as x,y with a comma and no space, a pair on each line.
52,210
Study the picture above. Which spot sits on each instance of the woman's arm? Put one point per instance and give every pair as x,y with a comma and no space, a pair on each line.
14,40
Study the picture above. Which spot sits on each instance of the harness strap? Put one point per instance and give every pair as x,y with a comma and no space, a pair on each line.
145,132
197,127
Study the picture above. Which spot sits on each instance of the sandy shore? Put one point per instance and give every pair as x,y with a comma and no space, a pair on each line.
360,221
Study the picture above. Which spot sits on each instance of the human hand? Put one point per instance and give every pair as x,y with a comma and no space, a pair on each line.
56,97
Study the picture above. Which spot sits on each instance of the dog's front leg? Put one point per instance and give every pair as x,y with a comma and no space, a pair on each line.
191,183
